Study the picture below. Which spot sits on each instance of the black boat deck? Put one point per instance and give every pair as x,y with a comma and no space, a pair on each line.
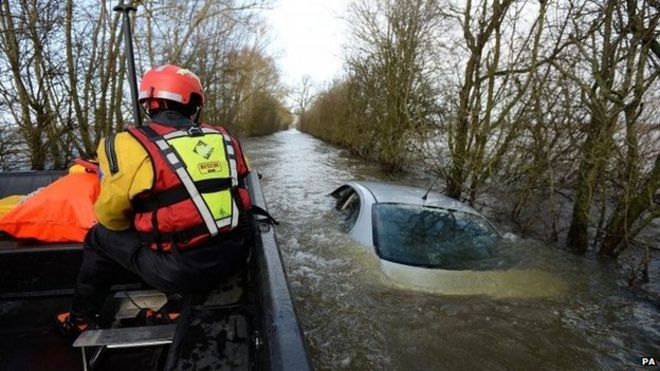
247,323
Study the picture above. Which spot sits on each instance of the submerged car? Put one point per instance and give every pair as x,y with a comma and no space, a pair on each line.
434,242
407,226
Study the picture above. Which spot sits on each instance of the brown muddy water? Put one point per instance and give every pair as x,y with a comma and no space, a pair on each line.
356,318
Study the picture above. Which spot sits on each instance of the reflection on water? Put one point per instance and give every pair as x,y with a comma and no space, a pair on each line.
355,318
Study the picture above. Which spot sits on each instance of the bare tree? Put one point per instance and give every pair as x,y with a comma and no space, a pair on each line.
32,91
304,94
389,93
612,73
63,74
224,44
499,70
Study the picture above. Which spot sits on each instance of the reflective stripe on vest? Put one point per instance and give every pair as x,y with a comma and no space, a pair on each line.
198,156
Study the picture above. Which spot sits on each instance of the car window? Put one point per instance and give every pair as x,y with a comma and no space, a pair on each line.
348,204
432,237
341,193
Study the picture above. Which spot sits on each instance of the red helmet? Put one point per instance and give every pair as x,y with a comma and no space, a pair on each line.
172,83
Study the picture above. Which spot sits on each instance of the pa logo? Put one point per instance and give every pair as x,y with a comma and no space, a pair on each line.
649,361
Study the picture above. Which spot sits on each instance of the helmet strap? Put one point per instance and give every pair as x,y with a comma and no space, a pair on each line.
197,115
145,110
146,107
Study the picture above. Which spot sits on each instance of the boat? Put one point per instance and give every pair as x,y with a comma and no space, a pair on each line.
247,323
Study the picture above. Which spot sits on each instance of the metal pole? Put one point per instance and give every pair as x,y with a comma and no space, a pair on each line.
82,349
130,58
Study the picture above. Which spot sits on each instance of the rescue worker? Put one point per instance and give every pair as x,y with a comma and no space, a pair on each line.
172,206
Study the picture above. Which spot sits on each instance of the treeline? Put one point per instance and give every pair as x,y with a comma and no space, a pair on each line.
63,77
551,107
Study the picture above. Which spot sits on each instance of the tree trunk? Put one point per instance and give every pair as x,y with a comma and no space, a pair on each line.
625,214
593,161
578,236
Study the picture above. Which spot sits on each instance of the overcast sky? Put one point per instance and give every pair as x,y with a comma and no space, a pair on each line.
307,38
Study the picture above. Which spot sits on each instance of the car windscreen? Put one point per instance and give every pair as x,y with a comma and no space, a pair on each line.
433,237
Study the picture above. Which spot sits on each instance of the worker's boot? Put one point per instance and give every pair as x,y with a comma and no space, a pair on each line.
150,317
168,313
71,325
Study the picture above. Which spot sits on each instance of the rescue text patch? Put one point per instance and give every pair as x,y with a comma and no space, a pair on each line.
209,167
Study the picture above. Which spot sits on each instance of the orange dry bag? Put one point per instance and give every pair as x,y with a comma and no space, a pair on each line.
60,212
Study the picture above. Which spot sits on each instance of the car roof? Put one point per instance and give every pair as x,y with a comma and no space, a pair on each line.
386,192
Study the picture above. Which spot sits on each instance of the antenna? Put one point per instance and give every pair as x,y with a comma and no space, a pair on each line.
130,59
430,187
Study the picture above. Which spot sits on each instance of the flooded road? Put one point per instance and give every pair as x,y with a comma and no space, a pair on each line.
355,318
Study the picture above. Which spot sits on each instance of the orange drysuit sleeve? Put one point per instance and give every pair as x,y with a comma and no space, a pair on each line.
133,175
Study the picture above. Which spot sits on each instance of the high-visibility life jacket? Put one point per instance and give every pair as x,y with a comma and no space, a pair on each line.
196,194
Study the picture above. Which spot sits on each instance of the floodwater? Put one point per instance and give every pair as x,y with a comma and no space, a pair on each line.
356,318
